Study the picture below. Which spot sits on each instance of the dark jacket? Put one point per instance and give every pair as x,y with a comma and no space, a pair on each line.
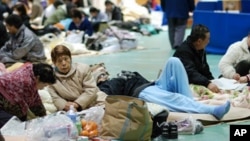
85,26
125,85
4,34
177,8
116,14
195,63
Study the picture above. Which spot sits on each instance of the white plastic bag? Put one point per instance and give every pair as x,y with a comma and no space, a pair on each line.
10,127
57,127
93,114
110,45
189,125
75,37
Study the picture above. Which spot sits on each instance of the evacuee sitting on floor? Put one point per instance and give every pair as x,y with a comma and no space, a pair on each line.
80,23
23,45
193,56
114,13
96,17
170,90
235,63
75,84
19,91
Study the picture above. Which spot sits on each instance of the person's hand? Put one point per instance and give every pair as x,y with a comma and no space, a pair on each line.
214,88
76,106
67,106
236,76
243,79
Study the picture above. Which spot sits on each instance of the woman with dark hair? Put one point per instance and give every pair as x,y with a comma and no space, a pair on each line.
19,91
4,34
75,84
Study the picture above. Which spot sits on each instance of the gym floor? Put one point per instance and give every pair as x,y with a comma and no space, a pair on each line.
148,61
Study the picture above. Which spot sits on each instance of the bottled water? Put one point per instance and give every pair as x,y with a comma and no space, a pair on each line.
72,114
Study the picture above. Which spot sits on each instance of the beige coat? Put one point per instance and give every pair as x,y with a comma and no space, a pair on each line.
236,52
77,86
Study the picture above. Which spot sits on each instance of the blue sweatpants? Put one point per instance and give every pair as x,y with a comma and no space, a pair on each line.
172,90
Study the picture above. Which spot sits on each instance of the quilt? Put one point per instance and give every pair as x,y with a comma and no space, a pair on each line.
237,94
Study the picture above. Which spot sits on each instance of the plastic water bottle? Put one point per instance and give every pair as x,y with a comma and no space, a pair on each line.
72,114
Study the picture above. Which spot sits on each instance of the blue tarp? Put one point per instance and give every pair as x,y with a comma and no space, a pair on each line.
225,28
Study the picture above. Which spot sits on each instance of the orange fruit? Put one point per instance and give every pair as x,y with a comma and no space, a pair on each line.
90,126
93,133
94,124
83,122
84,133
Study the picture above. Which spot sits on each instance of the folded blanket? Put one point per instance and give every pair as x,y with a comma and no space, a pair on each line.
239,110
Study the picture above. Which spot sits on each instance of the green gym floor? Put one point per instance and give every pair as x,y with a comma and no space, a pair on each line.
148,61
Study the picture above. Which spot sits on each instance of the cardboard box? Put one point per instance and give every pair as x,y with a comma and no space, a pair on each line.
232,5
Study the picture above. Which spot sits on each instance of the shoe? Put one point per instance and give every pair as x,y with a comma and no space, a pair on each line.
170,130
